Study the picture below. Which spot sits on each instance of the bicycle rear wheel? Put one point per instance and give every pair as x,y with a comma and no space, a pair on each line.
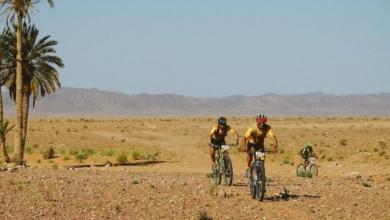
300,169
228,172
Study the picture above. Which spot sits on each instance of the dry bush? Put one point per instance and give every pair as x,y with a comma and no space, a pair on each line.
48,153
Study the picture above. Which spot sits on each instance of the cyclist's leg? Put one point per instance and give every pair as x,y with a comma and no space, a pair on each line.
212,154
249,154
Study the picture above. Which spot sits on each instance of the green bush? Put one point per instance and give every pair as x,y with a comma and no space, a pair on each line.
305,174
73,152
122,158
108,153
82,155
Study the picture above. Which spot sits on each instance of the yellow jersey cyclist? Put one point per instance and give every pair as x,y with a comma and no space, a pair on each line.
255,135
218,134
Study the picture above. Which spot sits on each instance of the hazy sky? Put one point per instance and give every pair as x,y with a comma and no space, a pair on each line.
222,47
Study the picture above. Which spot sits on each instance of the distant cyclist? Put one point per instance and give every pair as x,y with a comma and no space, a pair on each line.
306,153
218,134
255,135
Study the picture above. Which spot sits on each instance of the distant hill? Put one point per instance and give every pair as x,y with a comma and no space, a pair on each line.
73,101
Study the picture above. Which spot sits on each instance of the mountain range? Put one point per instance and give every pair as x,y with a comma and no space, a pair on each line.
76,101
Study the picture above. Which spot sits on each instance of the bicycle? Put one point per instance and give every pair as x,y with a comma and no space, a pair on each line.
257,176
310,168
223,166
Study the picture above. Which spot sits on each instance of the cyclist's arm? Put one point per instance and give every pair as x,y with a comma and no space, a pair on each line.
235,134
274,139
212,132
247,137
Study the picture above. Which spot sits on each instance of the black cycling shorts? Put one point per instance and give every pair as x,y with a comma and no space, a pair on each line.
256,147
218,142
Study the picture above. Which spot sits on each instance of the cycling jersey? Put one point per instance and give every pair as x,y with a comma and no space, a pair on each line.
256,135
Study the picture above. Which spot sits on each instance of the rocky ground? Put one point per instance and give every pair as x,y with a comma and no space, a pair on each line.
123,193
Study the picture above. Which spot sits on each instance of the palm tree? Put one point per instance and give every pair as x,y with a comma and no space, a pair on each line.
3,126
39,62
19,9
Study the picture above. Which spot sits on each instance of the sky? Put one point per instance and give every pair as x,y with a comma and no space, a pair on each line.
222,47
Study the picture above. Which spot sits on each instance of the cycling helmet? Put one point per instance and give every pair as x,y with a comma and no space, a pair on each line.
261,118
309,147
222,121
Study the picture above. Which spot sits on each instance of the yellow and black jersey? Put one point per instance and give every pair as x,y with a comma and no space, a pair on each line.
256,135
220,133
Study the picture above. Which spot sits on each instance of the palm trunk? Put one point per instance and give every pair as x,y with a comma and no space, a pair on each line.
19,150
26,106
2,134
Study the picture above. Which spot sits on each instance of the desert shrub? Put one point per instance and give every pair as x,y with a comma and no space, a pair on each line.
1,162
135,182
382,153
82,155
343,142
66,158
35,146
62,151
89,151
203,215
382,144
366,184
330,159
122,158
48,153
108,153
73,152
136,155
305,174
29,150
211,189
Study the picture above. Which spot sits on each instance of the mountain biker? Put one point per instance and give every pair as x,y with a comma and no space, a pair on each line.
218,134
306,153
255,135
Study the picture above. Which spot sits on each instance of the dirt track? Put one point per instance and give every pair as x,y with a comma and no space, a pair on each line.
179,188
100,193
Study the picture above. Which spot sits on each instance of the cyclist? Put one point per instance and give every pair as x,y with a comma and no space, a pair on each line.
254,138
306,153
218,134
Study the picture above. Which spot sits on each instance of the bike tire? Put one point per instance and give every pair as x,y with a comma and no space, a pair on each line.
313,169
260,181
228,172
216,174
253,180
300,168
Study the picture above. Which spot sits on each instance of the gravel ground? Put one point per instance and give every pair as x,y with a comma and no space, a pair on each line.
121,193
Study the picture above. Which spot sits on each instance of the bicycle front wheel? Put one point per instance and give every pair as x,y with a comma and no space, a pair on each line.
228,172
313,170
260,181
216,174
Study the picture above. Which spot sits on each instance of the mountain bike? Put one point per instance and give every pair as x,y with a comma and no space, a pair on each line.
223,166
257,175
310,168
